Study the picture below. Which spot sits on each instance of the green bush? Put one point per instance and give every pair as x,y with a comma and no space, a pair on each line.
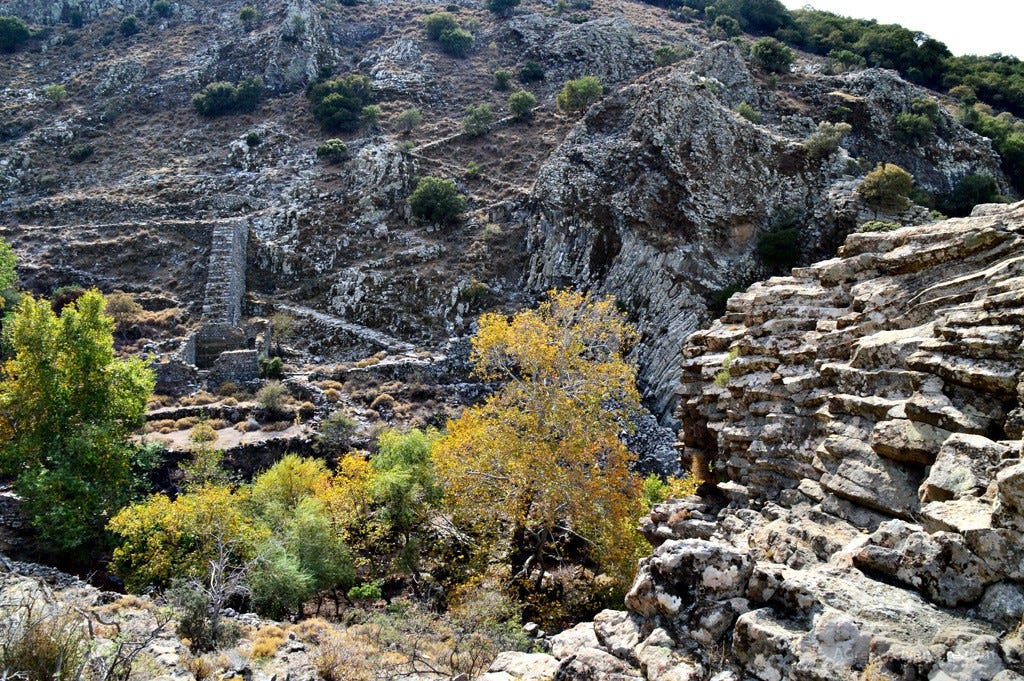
771,55
332,151
129,26
437,23
407,121
205,630
370,116
271,367
887,187
665,55
725,26
780,248
913,128
847,60
478,120
56,93
222,98
824,141
38,643
336,431
163,9
521,104
367,591
879,226
749,112
579,93
530,72
338,103
970,191
501,6
13,32
80,152
279,585
272,396
437,200
456,42
502,79
473,170
248,16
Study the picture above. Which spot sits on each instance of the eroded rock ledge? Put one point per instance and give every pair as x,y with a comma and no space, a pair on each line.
867,412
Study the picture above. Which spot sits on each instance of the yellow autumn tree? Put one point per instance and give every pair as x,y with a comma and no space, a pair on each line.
539,470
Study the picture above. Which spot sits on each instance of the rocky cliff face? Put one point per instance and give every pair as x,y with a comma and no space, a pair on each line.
866,412
660,193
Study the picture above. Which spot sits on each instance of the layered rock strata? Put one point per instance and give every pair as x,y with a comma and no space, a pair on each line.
864,417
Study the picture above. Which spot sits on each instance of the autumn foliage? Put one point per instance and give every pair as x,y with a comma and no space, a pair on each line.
538,472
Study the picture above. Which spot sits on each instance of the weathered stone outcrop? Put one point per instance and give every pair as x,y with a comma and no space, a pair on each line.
863,409
661,193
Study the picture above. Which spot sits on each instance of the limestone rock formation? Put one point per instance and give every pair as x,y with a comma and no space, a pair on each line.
870,527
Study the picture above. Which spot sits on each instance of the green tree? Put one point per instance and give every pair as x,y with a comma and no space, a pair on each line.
68,407
407,121
478,120
771,55
501,6
456,42
437,23
520,105
338,103
13,32
540,464
579,93
437,200
887,187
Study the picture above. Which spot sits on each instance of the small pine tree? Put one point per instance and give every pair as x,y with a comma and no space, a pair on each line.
437,200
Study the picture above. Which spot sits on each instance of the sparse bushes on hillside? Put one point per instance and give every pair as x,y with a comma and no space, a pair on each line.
442,28
129,26
407,121
771,55
579,93
56,93
332,151
437,200
13,32
970,191
222,98
748,112
249,17
163,9
520,105
725,26
530,72
501,6
478,120
824,141
887,187
338,103
502,80
666,55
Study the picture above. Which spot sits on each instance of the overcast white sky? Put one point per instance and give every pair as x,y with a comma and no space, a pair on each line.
967,27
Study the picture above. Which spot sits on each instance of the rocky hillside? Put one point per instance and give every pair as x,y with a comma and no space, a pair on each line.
864,418
658,194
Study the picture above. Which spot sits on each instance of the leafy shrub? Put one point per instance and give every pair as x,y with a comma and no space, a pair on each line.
437,23
271,367
501,6
279,585
163,8
748,112
478,120
338,103
502,79
579,93
824,141
272,396
771,55
456,42
221,98
248,16
407,121
252,139
204,629
56,93
521,104
367,591
13,32
725,26
332,151
38,644
473,170
913,128
530,72
370,116
666,55
970,191
437,200
129,26
879,226
780,248
887,187
80,152
336,431
847,60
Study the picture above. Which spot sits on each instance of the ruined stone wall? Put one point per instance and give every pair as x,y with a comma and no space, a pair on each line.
225,285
